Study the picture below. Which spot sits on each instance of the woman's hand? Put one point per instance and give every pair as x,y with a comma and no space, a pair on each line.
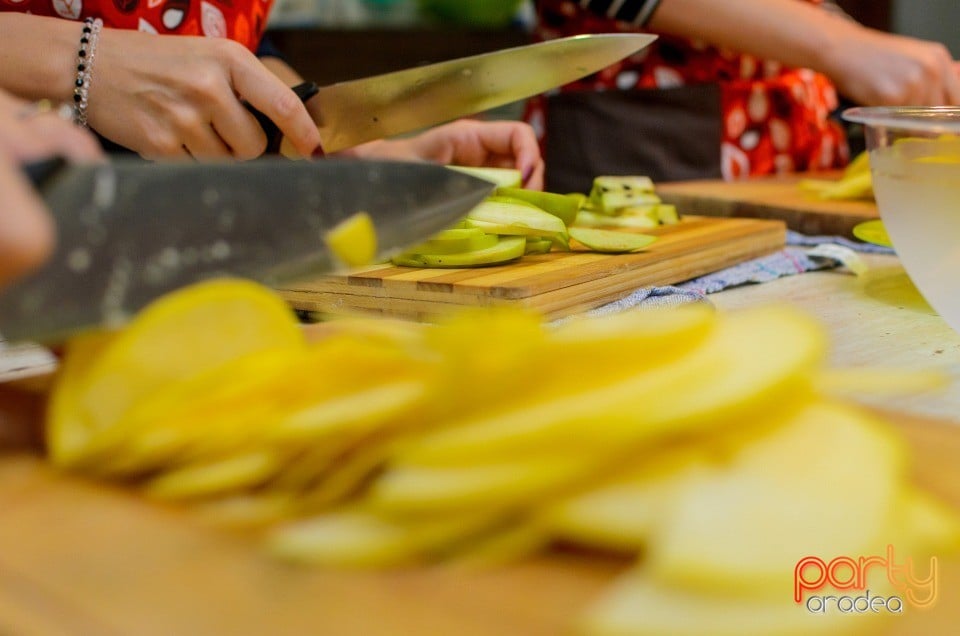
496,144
882,69
166,96
26,232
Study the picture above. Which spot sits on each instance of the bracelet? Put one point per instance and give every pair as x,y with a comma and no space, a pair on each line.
85,57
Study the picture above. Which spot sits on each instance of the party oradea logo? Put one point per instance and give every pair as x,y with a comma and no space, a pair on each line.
843,584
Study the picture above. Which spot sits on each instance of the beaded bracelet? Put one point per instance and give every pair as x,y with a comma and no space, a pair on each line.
85,56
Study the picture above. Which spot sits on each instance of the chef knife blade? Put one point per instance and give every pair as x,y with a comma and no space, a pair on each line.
353,112
130,231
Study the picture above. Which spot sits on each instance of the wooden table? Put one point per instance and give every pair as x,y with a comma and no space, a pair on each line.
878,319
82,559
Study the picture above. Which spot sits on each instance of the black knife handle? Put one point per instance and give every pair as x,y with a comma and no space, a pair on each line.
41,171
304,91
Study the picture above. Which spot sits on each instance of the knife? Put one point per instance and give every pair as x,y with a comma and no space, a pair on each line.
353,112
129,231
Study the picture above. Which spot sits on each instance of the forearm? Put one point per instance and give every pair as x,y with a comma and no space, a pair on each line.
793,32
38,56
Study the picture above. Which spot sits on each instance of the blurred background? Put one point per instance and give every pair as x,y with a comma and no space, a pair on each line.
333,40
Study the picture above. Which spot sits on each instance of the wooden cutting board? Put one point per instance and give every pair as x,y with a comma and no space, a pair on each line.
770,198
556,284
78,558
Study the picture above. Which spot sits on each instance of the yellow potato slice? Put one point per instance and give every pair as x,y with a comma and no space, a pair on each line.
638,606
353,241
350,474
245,511
216,478
214,413
825,483
428,490
929,525
183,334
734,373
624,514
500,547
357,539
67,429
591,350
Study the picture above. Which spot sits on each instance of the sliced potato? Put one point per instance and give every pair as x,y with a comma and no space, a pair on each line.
68,429
185,333
428,490
623,515
216,478
357,539
733,371
353,241
785,496
638,606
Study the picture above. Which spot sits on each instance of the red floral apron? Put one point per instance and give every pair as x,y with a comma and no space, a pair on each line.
239,20
769,118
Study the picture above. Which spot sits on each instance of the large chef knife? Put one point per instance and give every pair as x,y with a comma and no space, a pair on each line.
350,113
130,231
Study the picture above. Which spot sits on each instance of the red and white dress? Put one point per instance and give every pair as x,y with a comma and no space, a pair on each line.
239,20
774,119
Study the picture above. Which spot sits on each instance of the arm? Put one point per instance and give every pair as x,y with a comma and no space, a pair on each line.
161,96
868,66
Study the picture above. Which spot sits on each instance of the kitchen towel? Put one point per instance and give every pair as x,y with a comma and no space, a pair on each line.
793,259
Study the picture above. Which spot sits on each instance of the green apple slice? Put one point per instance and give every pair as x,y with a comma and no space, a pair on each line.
586,218
538,246
610,241
456,240
506,249
507,177
515,219
563,206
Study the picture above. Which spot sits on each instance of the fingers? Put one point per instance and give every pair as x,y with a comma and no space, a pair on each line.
28,136
26,230
235,123
203,142
952,83
268,94
510,144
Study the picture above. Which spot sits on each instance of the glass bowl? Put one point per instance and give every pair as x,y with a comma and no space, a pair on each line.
915,166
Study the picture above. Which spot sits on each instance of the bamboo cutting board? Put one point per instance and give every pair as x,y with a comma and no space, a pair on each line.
770,198
556,284
80,559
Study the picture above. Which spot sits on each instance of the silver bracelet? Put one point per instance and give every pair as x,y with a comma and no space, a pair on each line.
85,56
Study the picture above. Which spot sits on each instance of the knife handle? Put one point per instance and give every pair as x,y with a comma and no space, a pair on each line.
304,91
41,171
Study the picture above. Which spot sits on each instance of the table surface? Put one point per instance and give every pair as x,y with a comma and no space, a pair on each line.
47,584
878,319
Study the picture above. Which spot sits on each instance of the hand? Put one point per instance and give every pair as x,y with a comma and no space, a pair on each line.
26,232
179,96
495,144
882,69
